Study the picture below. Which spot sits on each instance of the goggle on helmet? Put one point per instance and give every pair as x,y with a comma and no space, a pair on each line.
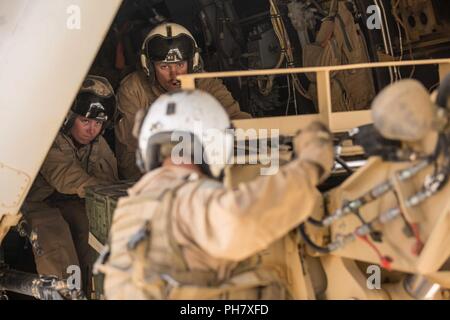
170,43
95,100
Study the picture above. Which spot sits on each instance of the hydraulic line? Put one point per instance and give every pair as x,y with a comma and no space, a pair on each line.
371,195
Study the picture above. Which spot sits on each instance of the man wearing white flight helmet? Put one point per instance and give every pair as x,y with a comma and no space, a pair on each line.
180,234
168,50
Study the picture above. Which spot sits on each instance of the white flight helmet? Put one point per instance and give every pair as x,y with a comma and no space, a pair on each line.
192,120
170,42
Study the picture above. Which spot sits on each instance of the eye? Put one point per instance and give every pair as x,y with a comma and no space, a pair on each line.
180,65
84,121
98,123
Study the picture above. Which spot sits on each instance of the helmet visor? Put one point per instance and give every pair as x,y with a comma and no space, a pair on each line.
170,50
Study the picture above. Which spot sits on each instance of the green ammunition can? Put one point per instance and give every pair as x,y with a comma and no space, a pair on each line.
101,201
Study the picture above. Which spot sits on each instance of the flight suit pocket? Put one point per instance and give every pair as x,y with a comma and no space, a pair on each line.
55,250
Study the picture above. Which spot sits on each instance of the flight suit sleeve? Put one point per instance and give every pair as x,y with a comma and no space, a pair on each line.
221,93
65,173
233,224
126,144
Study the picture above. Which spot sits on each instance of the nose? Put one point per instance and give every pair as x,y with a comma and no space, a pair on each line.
173,70
91,128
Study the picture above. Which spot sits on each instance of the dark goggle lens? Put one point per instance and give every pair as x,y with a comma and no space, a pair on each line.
170,50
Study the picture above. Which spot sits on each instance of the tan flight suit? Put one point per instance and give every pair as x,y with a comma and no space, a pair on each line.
136,93
55,208
340,41
211,242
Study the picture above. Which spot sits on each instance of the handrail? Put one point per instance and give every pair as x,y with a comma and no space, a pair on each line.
337,121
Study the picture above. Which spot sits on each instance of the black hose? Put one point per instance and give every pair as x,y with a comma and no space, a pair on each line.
344,164
314,222
319,223
310,243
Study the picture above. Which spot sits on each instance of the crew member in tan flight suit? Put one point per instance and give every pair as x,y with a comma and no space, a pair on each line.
180,234
79,157
168,50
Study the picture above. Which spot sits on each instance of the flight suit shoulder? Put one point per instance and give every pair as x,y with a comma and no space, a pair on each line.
209,84
102,144
216,87
134,93
62,144
132,80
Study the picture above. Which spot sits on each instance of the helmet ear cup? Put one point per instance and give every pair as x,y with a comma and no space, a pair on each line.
197,62
68,122
148,67
144,62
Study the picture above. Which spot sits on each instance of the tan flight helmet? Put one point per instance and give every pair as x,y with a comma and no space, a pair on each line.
404,111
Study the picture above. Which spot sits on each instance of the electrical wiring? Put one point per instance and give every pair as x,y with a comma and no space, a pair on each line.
289,95
391,74
399,21
285,54
373,194
431,185
295,99
383,218
280,31
388,32
265,90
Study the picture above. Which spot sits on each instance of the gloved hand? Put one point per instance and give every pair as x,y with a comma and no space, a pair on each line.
315,145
